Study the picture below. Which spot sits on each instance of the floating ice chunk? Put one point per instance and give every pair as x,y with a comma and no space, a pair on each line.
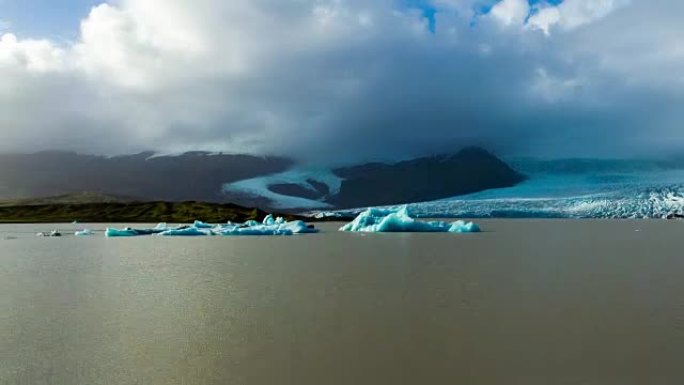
127,232
268,221
52,234
269,226
84,233
327,215
463,227
253,231
298,227
271,221
376,220
201,225
187,232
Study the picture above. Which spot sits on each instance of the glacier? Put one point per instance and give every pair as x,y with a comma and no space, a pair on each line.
269,226
579,189
259,187
375,220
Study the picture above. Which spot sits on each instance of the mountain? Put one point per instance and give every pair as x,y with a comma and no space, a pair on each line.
190,176
66,199
266,182
418,180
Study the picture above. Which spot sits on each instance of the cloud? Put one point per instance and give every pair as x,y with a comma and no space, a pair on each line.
338,80
511,12
572,14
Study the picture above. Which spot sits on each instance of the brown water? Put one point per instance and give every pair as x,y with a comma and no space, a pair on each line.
527,302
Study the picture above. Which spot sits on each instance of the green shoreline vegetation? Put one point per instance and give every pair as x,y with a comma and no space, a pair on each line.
131,212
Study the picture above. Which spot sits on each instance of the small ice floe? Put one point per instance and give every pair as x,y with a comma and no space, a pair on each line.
269,226
327,215
51,234
376,220
130,232
84,233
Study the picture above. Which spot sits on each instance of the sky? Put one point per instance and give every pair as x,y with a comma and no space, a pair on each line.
343,80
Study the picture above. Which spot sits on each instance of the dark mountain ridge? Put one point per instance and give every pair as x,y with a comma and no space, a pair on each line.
430,178
190,176
200,176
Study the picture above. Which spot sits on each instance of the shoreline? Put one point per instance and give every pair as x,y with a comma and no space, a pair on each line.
133,212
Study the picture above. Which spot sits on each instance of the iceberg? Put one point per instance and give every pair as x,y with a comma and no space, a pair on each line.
127,232
201,225
375,220
253,231
464,227
84,233
187,232
299,227
130,232
51,234
269,226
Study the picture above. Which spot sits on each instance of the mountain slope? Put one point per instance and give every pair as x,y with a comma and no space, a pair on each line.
191,176
424,179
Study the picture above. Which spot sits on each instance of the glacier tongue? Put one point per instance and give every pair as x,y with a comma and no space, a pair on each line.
650,202
594,190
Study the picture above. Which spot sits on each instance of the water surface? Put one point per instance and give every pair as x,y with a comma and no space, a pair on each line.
526,302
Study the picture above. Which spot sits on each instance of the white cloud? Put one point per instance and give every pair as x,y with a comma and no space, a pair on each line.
544,19
575,13
314,77
511,12
32,55
572,14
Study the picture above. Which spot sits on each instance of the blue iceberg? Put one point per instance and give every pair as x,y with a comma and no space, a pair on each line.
269,226
376,220
187,232
200,225
127,232
130,232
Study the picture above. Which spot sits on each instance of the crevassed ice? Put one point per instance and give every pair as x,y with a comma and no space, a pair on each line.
631,203
376,220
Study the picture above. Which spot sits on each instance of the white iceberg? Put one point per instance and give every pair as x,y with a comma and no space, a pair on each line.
376,220
84,233
51,234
